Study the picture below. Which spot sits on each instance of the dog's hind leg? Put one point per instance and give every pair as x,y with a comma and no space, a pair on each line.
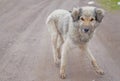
54,36
93,60
54,46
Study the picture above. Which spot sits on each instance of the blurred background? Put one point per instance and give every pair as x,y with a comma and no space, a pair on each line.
110,4
25,46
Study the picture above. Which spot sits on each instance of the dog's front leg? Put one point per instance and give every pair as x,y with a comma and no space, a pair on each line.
65,49
93,60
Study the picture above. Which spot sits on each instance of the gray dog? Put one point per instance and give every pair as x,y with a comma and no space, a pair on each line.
73,28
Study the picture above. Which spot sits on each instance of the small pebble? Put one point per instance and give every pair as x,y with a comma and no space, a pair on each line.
118,3
91,2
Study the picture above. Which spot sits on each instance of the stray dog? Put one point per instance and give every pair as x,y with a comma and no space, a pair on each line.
73,28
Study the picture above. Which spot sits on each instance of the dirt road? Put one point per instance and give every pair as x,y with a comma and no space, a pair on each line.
25,47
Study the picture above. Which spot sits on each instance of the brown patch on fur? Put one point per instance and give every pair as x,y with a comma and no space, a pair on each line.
87,20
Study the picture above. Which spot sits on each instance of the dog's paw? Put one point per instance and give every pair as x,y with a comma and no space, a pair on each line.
62,75
100,71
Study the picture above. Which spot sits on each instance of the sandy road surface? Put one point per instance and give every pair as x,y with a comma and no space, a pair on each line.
25,48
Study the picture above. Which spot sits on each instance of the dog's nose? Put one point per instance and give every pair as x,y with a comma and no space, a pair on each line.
86,30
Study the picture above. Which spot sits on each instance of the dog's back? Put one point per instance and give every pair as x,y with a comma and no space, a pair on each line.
57,15
56,21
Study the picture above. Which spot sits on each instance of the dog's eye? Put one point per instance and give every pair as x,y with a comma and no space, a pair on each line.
82,18
91,19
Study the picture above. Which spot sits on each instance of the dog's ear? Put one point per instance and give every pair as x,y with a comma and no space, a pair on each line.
76,14
99,14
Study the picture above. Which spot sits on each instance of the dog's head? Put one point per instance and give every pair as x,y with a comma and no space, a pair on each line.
87,18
